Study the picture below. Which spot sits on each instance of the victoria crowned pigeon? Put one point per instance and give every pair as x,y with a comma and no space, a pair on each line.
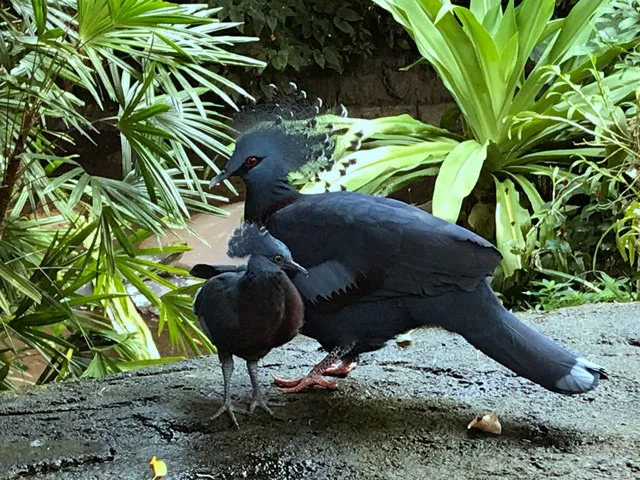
378,267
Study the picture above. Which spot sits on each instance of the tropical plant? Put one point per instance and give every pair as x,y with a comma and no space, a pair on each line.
616,180
69,259
573,242
596,212
299,34
507,70
550,294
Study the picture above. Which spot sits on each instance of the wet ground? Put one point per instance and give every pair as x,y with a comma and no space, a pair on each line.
401,415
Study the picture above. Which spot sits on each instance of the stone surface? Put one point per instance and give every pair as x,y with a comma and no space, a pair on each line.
402,414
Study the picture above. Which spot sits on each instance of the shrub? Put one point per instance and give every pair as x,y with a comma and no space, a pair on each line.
297,35
511,72
68,254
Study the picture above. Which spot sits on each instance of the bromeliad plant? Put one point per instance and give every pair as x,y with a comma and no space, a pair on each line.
68,239
506,70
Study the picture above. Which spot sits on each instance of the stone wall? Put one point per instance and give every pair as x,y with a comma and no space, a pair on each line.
378,87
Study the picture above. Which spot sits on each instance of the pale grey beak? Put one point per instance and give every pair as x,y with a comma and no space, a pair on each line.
221,177
291,265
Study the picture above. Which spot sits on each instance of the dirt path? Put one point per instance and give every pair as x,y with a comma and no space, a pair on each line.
401,415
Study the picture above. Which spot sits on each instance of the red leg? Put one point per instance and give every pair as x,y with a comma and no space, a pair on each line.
314,377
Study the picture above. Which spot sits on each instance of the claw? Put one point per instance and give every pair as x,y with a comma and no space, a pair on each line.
315,376
262,404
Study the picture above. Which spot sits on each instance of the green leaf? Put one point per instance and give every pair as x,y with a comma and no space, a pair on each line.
79,190
93,299
21,284
133,365
117,231
347,14
332,58
482,220
532,17
532,193
146,113
480,8
375,166
317,56
511,221
53,33
100,366
458,176
578,20
40,15
344,26
279,62
142,90
492,68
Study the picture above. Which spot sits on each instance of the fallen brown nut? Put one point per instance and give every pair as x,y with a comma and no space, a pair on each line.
489,423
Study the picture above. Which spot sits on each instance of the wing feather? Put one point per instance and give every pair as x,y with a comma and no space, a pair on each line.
340,235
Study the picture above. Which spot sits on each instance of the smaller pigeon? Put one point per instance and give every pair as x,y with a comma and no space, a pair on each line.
248,310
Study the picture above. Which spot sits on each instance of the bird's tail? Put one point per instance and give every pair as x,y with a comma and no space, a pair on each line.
482,320
206,271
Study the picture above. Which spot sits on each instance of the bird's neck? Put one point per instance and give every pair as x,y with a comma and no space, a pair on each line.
265,196
259,284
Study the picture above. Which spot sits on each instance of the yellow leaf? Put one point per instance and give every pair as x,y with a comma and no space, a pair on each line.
159,468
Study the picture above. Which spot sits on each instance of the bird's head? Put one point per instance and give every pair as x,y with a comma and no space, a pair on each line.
278,138
264,153
254,241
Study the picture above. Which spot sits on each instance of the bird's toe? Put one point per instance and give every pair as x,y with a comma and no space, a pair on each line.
227,407
261,402
286,383
341,370
309,381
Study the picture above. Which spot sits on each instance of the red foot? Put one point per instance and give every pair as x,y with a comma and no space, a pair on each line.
341,370
299,384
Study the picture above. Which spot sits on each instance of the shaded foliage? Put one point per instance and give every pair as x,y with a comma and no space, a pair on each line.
68,239
532,94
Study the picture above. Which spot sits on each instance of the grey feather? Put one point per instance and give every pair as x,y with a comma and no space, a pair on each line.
324,280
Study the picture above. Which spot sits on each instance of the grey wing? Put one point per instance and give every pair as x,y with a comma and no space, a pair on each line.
324,280
342,236
216,305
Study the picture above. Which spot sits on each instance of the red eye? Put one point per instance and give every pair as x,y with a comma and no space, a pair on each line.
251,161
